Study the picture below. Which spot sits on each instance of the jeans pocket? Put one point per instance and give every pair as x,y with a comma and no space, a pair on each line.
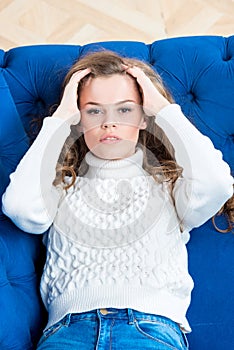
162,333
49,332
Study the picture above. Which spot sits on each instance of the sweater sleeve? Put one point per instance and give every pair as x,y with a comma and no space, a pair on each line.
206,182
31,199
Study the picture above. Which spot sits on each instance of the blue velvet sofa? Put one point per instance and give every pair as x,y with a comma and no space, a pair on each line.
199,71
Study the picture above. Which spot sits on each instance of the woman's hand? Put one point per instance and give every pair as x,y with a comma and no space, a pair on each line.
68,109
153,100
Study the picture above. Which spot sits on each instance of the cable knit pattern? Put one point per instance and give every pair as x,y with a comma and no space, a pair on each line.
107,213
110,232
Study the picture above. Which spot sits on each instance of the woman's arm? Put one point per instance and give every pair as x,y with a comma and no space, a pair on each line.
31,200
206,183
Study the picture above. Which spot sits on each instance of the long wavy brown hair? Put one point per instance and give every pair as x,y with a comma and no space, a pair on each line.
159,155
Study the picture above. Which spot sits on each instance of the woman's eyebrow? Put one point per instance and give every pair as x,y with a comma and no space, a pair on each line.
93,103
118,103
101,104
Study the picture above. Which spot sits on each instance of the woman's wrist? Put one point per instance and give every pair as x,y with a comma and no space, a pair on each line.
158,108
69,119
162,105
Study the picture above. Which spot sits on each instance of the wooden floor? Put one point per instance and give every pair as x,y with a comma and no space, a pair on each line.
26,22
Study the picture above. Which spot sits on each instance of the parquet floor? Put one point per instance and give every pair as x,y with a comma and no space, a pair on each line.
27,22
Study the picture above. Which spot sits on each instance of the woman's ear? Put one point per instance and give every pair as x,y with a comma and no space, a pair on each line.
143,124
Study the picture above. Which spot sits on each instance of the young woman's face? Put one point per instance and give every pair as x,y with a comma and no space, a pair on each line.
111,116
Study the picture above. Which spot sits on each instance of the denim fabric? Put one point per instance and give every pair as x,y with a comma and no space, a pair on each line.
115,329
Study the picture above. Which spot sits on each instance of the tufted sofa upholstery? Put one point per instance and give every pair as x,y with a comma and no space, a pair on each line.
199,71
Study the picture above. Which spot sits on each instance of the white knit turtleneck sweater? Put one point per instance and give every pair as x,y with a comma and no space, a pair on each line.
115,238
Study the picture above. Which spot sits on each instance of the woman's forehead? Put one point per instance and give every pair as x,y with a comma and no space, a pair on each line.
109,89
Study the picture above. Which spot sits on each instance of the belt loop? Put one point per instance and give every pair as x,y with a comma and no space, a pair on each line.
130,316
67,320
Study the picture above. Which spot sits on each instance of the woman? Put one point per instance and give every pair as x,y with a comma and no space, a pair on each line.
117,176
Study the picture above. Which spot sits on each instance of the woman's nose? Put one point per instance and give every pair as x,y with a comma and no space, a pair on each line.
108,125
109,120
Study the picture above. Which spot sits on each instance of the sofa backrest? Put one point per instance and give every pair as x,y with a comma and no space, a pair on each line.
199,72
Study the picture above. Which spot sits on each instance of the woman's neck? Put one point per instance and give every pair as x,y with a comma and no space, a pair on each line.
119,168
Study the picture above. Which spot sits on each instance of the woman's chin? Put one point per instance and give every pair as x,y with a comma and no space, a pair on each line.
120,150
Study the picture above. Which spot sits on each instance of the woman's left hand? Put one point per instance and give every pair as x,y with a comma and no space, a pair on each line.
68,109
153,100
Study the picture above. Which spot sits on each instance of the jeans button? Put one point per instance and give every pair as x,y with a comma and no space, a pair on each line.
104,311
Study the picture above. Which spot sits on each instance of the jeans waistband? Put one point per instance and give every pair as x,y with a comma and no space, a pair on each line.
129,315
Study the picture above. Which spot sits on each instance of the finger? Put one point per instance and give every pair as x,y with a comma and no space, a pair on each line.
71,87
77,76
140,77
125,66
134,71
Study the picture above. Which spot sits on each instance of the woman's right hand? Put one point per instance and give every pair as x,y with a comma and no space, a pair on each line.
153,100
68,109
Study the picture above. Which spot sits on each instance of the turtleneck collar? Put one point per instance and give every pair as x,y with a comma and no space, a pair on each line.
120,168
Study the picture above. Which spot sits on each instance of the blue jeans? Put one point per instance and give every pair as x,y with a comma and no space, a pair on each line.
115,329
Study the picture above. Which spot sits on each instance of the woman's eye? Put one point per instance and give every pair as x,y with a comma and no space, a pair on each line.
125,110
94,111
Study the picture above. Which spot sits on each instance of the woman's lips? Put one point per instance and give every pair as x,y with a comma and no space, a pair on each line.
109,139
